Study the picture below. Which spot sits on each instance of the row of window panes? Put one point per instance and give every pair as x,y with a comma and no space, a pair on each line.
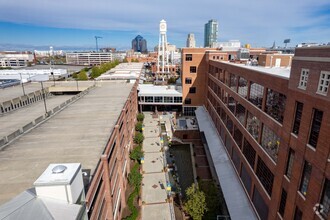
264,174
275,101
304,182
269,140
324,81
315,126
161,99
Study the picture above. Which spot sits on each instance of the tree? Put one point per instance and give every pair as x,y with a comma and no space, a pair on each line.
140,117
138,126
171,80
82,75
138,139
195,205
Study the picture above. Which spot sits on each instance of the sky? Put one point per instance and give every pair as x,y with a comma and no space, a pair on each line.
72,24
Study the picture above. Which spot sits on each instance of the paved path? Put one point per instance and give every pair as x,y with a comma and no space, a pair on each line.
154,196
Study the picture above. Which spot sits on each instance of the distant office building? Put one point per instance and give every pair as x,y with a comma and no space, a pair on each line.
15,59
210,33
191,42
88,59
139,44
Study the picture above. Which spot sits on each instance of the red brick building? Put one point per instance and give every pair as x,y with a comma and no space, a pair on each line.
274,124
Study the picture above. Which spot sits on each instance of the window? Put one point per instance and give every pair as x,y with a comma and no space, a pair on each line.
325,199
249,153
236,160
168,99
246,179
187,101
177,99
149,99
315,128
231,104
305,178
158,98
233,82
188,57
260,204
240,113
275,105
229,125
192,90
252,125
193,69
270,142
297,214
288,171
324,82
188,80
265,176
256,94
282,203
242,87
303,78
297,117
238,136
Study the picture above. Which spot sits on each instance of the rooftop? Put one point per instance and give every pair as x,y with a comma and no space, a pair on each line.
155,90
77,134
282,72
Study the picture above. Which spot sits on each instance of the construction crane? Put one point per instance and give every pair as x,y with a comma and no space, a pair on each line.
97,37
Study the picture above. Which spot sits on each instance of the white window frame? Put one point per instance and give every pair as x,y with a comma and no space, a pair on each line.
324,82
303,79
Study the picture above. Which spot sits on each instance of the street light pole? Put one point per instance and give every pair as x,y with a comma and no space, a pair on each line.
44,96
22,83
52,73
77,85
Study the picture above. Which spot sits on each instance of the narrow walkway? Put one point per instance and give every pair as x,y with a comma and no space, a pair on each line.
154,195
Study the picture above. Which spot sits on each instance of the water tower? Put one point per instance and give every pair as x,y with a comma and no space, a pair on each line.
163,55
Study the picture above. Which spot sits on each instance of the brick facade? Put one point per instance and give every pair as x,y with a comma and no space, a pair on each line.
254,113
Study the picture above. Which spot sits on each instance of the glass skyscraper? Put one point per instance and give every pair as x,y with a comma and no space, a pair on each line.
210,33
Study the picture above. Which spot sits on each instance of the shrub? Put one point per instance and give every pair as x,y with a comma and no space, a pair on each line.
140,117
135,177
138,127
136,153
138,139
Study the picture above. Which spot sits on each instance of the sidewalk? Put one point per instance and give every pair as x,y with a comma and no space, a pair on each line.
154,195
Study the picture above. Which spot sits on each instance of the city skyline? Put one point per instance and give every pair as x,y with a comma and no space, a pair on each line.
74,25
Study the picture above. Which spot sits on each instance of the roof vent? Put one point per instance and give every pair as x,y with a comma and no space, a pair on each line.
59,169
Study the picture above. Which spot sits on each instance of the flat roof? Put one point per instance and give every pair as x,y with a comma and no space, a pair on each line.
282,72
70,68
156,90
13,92
238,204
77,134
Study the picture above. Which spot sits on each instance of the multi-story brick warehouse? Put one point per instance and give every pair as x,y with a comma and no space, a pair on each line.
274,124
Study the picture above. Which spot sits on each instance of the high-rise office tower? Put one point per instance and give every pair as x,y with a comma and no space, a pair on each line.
191,42
139,44
210,33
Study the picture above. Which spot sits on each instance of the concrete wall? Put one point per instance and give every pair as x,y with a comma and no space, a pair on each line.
19,102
